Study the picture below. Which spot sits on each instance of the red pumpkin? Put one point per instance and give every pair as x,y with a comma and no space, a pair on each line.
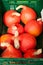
33,27
30,54
27,14
11,52
11,17
40,22
6,38
17,27
27,41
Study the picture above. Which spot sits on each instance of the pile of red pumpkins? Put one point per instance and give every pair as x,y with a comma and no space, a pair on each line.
20,40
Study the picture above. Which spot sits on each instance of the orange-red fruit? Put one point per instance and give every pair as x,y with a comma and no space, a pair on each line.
30,54
27,14
33,27
9,18
12,30
20,28
7,38
11,52
27,41
40,22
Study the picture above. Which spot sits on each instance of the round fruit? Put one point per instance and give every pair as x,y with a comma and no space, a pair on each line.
6,38
40,22
33,27
27,41
11,52
18,27
11,17
30,54
27,13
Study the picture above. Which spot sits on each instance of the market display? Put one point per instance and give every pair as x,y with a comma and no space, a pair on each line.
19,41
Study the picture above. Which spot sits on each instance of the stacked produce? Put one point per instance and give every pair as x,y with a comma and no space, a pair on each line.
20,40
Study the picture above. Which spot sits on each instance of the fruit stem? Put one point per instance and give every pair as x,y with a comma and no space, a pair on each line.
20,6
39,19
16,31
16,41
5,44
42,14
39,51
16,13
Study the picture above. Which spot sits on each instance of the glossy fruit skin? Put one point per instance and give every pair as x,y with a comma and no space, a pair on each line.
20,28
11,30
10,19
33,27
7,38
30,54
40,22
27,41
27,14
11,52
